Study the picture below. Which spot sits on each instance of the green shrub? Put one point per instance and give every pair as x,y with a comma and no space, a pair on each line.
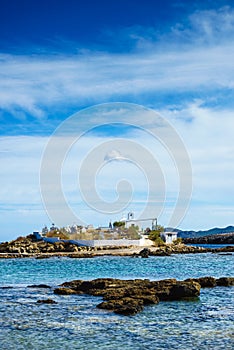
118,224
155,236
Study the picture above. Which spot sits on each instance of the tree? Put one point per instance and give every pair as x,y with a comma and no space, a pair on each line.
117,224
154,236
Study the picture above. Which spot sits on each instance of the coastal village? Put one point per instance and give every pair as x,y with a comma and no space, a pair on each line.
128,231
126,237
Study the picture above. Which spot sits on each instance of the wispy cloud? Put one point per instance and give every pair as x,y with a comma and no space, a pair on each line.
39,85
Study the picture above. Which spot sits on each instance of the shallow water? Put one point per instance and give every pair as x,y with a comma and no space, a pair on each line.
76,323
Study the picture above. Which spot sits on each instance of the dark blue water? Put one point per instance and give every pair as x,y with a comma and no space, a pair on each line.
76,323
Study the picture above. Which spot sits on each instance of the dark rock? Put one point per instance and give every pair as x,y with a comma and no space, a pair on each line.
46,301
125,306
144,253
89,286
225,253
162,288
127,297
225,281
205,282
182,290
65,291
39,286
148,299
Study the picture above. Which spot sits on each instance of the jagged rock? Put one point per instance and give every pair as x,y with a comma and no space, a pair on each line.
128,297
59,246
172,289
182,290
144,253
124,306
13,249
4,247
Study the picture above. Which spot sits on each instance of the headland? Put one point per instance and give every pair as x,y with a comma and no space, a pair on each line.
29,246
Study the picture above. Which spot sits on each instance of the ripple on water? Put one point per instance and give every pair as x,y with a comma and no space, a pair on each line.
76,323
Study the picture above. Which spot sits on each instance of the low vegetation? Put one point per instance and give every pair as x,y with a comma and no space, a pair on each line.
178,241
154,236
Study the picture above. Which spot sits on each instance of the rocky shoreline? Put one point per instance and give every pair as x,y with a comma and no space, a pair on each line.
25,247
227,238
128,297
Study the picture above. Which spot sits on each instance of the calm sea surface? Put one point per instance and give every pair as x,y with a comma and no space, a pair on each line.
75,322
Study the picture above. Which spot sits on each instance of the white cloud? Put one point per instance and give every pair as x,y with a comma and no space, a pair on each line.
194,59
208,138
38,83
207,134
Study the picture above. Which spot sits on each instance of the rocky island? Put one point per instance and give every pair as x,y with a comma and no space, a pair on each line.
28,246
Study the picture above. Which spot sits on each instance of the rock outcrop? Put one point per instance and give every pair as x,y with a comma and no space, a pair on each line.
30,246
127,297
144,253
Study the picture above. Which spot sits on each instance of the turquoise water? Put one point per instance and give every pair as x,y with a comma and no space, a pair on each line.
76,323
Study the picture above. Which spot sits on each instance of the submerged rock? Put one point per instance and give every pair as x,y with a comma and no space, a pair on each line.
39,286
46,301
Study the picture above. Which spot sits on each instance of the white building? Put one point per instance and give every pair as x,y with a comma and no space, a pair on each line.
168,237
140,223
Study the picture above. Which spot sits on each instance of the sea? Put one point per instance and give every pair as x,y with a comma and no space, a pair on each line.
75,322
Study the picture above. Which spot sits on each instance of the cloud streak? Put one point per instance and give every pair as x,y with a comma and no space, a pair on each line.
33,85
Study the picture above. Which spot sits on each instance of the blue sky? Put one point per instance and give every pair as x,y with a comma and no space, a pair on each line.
59,57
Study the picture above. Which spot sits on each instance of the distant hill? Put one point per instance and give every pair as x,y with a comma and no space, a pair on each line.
212,231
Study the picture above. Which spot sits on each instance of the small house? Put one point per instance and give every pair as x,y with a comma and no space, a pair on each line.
168,237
